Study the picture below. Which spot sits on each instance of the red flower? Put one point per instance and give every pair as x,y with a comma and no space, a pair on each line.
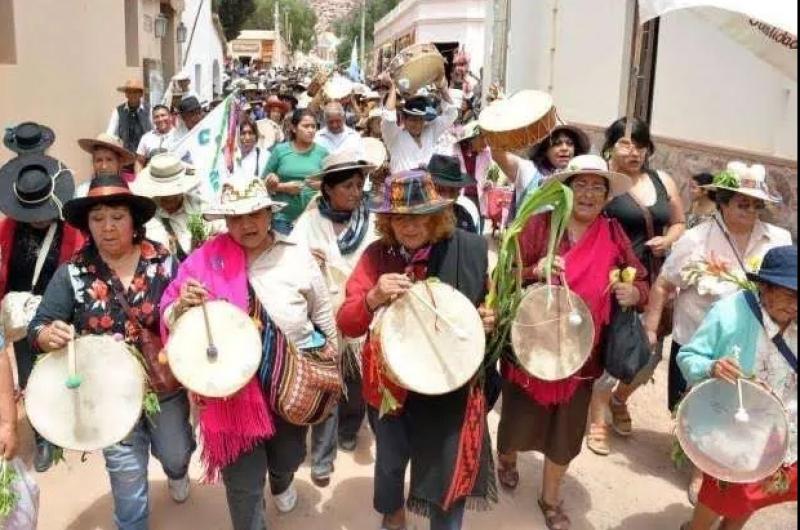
106,322
139,284
147,308
99,291
148,250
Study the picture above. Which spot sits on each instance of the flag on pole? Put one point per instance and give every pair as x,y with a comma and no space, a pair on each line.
354,72
781,14
210,146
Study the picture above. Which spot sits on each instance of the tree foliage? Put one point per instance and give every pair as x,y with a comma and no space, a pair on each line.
348,28
302,20
232,15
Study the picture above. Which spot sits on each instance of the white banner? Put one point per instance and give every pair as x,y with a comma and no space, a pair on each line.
781,14
204,145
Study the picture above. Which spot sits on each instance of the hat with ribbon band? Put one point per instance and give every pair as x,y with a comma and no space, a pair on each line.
110,189
34,188
409,193
29,137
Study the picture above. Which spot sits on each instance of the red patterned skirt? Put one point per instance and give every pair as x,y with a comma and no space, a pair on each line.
736,501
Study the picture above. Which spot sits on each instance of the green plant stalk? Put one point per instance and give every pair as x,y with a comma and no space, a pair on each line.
8,496
506,292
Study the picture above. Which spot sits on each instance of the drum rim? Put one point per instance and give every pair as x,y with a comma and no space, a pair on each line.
179,375
681,435
576,298
43,428
393,376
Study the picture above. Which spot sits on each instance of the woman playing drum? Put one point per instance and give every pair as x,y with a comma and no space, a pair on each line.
546,416
337,232
419,241
762,328
279,284
119,263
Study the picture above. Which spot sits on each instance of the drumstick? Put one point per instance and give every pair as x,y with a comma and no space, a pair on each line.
455,329
73,379
741,414
211,351
575,318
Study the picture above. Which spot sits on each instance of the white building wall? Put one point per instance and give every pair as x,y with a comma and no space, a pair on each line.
205,49
708,90
462,21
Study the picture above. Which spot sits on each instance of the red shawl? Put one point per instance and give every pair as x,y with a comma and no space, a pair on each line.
603,247
71,242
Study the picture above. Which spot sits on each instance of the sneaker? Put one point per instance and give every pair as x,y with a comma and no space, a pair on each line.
348,445
179,489
43,459
286,501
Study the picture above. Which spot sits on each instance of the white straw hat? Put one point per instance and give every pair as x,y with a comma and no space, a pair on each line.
166,175
241,196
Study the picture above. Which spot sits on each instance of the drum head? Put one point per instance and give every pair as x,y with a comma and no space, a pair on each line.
727,449
548,342
238,343
421,352
417,66
519,111
102,411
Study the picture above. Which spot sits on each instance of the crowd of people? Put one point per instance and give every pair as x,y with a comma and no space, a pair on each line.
338,204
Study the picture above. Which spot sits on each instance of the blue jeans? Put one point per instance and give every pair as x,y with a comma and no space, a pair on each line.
324,441
171,439
452,520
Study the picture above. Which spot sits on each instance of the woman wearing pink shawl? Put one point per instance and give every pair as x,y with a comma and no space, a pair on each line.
280,285
550,417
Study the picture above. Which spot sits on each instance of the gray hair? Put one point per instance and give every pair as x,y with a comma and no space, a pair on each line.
334,109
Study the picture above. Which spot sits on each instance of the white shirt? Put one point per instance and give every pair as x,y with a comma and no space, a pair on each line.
773,369
528,179
254,163
694,301
153,139
113,120
405,152
179,221
288,281
471,209
333,143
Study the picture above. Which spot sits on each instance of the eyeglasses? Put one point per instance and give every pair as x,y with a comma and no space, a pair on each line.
746,206
597,191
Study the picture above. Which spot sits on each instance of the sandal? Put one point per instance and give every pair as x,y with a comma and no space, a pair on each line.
507,473
554,516
597,439
621,420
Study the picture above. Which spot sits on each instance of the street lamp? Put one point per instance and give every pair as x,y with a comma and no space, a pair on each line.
161,25
180,33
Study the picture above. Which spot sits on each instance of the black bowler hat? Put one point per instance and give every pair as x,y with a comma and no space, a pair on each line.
446,171
29,137
34,188
416,106
108,188
189,104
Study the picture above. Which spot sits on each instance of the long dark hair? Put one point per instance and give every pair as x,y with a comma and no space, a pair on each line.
297,117
538,153
640,134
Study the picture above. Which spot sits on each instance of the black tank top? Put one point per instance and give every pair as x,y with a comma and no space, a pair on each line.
625,210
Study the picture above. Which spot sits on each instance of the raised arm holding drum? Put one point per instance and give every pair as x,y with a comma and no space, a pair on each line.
426,342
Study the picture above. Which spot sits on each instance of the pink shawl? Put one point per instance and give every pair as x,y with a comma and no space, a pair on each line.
232,426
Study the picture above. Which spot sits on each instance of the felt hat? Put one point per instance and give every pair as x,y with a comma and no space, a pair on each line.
112,143
409,193
34,188
108,188
346,160
189,104
29,137
131,85
446,171
779,268
416,106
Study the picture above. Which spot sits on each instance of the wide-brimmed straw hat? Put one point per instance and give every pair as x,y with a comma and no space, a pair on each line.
166,175
29,137
112,143
409,193
108,188
746,180
241,196
34,188
131,85
470,131
779,268
342,161
618,184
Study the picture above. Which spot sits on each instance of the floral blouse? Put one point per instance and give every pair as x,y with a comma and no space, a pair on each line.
81,293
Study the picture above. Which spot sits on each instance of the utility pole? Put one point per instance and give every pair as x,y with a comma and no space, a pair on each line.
278,59
363,36
500,42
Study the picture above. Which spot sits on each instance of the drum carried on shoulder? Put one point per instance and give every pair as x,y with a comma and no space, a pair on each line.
415,67
87,396
432,339
727,444
520,121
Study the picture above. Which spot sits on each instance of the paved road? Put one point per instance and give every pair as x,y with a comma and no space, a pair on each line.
636,488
